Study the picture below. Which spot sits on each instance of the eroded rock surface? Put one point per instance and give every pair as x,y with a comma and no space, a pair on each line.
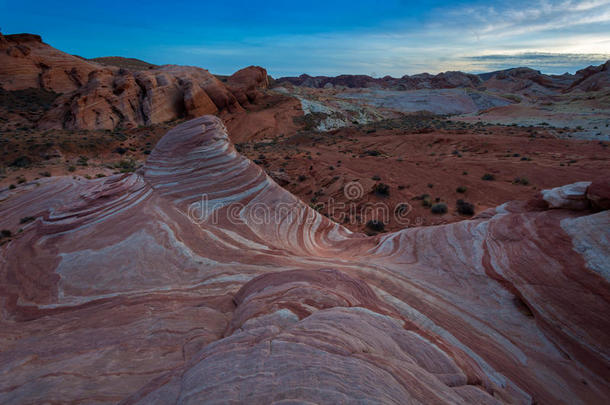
200,280
96,96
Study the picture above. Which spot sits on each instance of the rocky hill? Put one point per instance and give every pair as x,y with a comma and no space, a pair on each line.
445,80
125,63
96,96
520,80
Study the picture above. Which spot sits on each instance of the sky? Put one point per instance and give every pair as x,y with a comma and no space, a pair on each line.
288,38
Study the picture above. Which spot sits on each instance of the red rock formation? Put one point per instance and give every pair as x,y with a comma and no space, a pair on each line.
120,98
198,279
107,97
598,193
245,83
26,62
592,78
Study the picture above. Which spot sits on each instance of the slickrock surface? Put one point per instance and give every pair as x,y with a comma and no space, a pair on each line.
200,280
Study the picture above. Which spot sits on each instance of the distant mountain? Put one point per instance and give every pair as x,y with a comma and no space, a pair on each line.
421,81
521,80
126,63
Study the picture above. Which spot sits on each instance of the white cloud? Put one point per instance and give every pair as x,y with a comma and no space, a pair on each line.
552,36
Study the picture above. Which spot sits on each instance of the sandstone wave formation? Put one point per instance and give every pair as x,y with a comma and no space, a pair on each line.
200,280
95,96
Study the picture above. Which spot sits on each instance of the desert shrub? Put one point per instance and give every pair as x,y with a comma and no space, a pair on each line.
12,187
401,209
100,175
464,208
21,161
126,165
25,220
72,168
381,189
461,189
376,178
45,174
440,208
5,233
521,180
302,177
372,152
375,225
488,177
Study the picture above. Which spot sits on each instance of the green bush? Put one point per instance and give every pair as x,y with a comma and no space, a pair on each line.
25,220
375,225
440,208
381,189
521,180
464,208
488,177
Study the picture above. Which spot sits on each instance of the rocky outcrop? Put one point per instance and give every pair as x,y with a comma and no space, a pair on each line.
106,97
598,193
120,98
592,78
246,83
27,62
198,279
524,81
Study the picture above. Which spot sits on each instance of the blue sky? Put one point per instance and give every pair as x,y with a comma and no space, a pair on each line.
326,37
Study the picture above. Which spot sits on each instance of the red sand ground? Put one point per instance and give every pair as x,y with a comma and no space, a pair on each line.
412,160
413,164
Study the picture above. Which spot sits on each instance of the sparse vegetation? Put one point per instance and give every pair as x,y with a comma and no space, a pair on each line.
25,220
521,180
381,189
375,225
126,166
21,162
439,208
464,208
461,189
488,177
